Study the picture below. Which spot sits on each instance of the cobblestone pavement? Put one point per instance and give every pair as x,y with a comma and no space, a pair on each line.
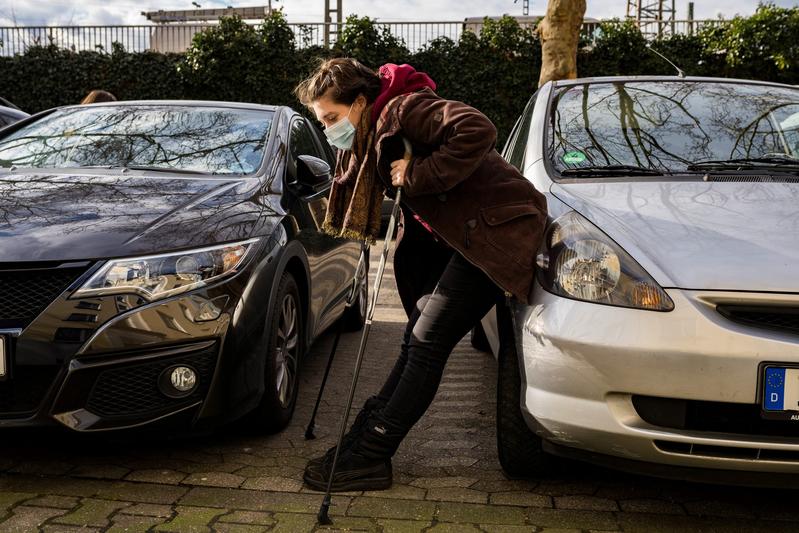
447,477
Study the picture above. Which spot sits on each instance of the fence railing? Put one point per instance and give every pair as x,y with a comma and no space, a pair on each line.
177,37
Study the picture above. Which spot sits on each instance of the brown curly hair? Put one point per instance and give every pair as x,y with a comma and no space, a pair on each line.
342,79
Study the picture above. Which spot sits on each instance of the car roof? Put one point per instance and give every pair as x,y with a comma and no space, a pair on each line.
693,79
184,103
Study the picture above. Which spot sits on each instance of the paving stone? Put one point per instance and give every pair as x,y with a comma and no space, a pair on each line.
61,528
167,477
251,500
387,508
457,494
190,520
443,527
42,468
9,499
92,512
439,482
719,508
214,479
585,503
26,519
249,517
294,523
521,498
650,505
503,528
402,526
100,471
448,461
400,492
249,459
140,492
450,444
238,528
125,523
350,523
650,523
281,484
148,509
57,502
480,514
568,519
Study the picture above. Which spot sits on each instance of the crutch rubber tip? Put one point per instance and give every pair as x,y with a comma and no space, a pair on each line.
309,434
323,517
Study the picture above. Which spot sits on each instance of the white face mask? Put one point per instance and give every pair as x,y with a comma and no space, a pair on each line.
342,133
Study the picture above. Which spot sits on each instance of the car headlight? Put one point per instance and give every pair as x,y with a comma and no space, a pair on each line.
582,263
159,276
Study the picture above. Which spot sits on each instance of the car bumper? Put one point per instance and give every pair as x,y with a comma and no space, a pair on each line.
102,363
652,387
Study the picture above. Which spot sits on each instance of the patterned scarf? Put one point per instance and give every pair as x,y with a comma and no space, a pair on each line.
355,203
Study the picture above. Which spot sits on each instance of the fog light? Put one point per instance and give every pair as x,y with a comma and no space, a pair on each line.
178,381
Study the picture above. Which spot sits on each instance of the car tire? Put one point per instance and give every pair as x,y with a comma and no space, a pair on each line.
354,316
479,339
520,450
283,348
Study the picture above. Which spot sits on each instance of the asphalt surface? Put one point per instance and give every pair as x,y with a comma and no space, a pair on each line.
447,477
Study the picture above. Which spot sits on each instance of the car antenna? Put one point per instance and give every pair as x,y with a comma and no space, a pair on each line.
680,72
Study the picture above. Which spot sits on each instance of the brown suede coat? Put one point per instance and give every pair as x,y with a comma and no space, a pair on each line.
459,184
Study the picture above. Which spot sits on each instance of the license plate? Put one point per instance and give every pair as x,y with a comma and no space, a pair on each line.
781,392
3,352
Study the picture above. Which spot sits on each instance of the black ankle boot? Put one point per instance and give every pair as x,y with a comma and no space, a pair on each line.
354,471
372,403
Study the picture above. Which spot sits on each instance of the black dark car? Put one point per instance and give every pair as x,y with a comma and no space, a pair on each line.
163,261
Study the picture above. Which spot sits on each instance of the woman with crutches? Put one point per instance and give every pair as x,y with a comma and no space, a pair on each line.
481,218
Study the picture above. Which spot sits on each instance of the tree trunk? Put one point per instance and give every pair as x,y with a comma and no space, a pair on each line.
559,32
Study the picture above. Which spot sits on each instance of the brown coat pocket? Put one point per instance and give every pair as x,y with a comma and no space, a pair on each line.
508,225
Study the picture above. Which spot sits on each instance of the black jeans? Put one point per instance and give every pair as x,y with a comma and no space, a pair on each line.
462,296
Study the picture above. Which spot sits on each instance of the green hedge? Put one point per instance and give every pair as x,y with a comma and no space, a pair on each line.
496,71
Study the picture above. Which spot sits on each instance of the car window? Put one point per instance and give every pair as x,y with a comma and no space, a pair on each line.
516,154
214,140
670,126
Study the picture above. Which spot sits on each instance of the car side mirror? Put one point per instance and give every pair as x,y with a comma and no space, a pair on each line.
312,172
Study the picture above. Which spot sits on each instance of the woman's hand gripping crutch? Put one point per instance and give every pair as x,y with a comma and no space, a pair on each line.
323,516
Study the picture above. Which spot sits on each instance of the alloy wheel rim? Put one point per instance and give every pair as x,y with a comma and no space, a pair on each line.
286,356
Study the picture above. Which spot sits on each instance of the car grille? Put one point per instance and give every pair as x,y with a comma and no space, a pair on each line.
25,293
717,417
132,390
25,391
781,318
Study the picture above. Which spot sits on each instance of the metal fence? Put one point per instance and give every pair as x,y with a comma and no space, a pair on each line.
178,37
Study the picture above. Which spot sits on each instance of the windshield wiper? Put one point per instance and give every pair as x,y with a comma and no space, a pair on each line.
615,170
163,169
773,161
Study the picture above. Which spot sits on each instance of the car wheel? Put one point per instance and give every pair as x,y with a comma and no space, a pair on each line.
479,339
519,448
354,316
283,351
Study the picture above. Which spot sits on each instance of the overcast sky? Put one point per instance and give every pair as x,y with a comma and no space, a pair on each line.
65,12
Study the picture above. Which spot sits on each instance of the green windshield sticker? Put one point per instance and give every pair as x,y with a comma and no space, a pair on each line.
573,158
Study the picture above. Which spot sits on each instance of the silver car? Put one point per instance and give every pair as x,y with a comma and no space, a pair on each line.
663,332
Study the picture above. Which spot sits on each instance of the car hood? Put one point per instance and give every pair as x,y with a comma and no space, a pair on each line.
699,235
58,216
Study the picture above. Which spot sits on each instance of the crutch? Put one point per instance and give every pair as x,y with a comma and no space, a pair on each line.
323,517
361,270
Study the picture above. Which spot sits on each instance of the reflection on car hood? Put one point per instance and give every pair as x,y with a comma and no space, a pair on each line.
700,235
72,217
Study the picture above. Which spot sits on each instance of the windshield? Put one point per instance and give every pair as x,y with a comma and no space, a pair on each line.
212,140
670,126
